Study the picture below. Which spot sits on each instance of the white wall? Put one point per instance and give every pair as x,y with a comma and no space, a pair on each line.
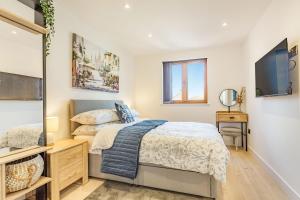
224,71
59,75
275,122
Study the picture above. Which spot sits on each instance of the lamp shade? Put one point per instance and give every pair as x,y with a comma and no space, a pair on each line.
52,124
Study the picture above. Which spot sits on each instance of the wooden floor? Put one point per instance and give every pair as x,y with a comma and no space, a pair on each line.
79,192
247,179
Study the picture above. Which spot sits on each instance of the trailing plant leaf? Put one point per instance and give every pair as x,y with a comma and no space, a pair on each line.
49,19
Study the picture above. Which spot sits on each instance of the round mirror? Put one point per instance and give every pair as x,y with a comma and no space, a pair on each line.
228,97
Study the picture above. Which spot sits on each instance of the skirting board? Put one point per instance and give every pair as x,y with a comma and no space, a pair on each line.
293,195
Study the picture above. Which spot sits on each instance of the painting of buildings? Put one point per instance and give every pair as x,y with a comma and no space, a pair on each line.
94,68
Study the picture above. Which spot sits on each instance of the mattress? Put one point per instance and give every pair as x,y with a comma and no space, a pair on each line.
90,139
185,146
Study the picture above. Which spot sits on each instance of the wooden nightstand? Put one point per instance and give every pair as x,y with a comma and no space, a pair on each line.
234,117
68,162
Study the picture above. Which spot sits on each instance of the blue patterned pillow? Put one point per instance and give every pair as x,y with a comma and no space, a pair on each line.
124,113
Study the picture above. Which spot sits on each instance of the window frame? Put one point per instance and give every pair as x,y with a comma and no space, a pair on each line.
184,79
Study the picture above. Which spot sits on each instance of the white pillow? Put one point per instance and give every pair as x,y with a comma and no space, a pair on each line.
24,136
91,130
94,117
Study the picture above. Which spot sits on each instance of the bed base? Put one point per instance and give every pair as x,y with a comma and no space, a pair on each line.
161,178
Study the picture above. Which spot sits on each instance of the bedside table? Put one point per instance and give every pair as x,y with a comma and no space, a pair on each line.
68,162
234,117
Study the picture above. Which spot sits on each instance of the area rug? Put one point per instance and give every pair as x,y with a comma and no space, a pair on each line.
111,190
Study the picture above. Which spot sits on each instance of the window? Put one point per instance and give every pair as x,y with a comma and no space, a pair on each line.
185,81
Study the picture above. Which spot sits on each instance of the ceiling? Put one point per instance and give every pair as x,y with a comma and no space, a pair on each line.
174,24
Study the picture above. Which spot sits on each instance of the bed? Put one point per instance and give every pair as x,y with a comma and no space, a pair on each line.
149,175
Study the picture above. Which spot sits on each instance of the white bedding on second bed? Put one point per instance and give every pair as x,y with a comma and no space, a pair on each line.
180,145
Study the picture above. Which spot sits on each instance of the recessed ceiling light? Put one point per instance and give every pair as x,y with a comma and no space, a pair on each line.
224,24
126,6
150,35
14,32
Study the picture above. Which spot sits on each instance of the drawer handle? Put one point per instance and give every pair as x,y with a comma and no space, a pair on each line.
231,117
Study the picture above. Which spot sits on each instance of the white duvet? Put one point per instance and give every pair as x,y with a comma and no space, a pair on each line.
187,146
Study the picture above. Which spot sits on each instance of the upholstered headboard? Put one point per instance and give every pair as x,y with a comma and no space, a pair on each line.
80,106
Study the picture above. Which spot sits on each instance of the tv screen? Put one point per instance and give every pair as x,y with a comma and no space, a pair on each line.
272,72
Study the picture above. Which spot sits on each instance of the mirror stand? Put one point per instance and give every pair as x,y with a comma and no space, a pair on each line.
27,103
228,98
228,108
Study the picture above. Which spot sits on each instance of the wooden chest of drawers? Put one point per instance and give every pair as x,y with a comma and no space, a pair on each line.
68,163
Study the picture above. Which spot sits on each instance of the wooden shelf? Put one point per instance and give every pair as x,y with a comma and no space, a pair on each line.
24,154
9,153
15,195
20,22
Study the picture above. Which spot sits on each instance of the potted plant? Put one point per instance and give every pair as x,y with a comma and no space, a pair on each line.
49,19
241,98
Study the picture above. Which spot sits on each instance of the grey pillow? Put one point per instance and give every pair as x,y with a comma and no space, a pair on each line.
124,113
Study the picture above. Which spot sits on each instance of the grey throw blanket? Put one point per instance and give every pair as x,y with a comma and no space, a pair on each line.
122,158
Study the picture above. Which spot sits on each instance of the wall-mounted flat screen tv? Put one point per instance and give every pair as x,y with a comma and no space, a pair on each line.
272,72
